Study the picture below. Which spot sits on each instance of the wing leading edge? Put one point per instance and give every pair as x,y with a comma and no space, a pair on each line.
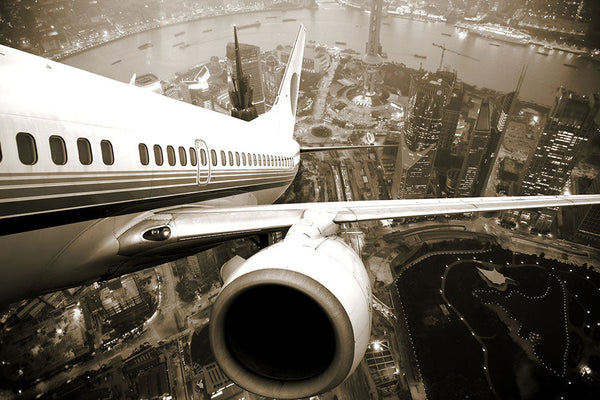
195,224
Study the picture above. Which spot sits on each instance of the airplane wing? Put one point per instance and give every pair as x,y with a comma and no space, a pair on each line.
183,226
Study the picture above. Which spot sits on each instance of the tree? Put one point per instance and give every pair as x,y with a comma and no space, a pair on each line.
186,290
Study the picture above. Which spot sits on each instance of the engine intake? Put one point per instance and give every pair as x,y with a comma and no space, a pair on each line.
293,320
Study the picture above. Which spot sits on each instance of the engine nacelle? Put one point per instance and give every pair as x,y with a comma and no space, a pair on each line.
294,320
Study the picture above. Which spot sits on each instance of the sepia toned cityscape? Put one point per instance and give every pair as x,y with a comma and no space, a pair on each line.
425,99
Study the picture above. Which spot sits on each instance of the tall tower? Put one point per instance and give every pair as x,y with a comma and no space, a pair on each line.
373,48
250,58
570,125
471,171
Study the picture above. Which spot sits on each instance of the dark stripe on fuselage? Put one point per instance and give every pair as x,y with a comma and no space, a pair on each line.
76,196
54,218
55,179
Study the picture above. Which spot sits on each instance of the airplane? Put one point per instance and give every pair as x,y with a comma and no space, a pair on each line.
99,178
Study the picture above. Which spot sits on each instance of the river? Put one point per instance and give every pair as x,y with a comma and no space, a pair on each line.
499,66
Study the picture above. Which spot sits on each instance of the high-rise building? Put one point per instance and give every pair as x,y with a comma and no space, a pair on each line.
507,104
450,117
250,56
272,71
471,171
502,109
196,90
586,220
428,96
569,126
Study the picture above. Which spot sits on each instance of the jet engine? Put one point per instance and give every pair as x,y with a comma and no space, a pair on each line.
294,320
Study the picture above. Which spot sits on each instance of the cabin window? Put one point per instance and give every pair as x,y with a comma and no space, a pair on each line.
144,157
237,158
58,150
223,158
230,159
244,159
254,159
108,156
85,151
158,155
213,157
171,155
182,157
0,153
27,149
269,160
193,159
203,159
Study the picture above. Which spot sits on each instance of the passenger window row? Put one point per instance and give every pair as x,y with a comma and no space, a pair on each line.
28,154
227,158
242,159
171,155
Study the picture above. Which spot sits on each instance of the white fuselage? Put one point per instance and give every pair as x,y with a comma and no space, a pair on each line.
81,155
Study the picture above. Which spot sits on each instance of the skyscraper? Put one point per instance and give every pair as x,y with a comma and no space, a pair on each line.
450,117
582,224
470,175
569,126
501,111
428,96
250,56
507,104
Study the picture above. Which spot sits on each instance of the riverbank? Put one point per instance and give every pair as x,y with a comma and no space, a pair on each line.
151,27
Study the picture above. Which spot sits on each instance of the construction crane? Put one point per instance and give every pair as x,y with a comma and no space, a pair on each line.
444,49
